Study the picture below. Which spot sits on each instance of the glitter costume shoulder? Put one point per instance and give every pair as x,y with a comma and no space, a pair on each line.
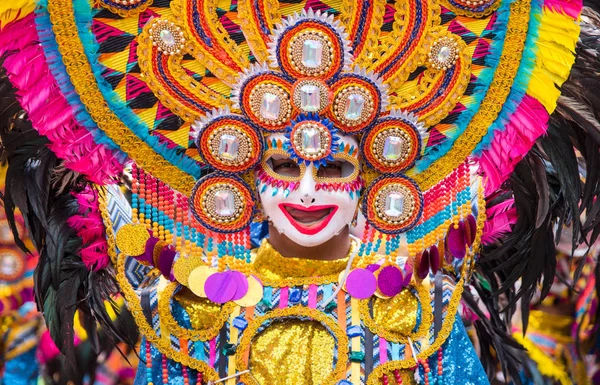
300,328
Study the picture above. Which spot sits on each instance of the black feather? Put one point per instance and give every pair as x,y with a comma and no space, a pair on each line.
557,184
41,188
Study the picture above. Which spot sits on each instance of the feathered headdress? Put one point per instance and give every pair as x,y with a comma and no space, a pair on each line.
451,102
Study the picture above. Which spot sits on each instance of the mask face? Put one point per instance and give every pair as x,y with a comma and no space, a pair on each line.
309,204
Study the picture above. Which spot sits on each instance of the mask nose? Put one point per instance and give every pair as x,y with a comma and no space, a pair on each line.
307,199
307,187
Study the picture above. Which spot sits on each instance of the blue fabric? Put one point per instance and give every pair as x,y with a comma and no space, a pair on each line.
22,370
460,362
258,231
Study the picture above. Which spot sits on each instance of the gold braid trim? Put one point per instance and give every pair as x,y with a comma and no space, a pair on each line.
514,43
471,14
123,12
348,19
81,75
163,345
108,225
249,26
418,55
388,367
431,77
164,311
426,318
146,56
272,13
220,38
295,311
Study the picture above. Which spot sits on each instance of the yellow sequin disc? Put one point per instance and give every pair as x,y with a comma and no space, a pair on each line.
197,279
254,294
131,239
183,267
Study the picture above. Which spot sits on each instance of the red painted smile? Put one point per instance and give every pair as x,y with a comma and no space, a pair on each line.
308,220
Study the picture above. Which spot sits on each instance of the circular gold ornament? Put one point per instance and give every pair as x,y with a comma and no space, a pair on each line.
184,266
131,239
197,279
443,53
254,294
167,37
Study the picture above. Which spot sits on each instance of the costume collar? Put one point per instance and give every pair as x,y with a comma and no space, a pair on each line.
273,269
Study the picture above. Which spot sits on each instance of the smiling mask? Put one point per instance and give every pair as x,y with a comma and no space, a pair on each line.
320,200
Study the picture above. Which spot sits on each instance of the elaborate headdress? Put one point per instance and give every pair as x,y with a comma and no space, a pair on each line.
192,97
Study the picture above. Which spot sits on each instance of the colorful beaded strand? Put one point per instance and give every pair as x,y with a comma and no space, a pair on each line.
165,370
149,363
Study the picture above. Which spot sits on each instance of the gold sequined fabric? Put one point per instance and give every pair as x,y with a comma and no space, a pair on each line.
292,351
397,314
202,312
273,269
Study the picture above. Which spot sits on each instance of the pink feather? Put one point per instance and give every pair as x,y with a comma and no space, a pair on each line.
500,220
527,123
48,109
571,8
90,228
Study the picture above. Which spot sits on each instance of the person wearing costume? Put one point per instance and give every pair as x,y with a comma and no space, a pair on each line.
429,118
20,323
562,328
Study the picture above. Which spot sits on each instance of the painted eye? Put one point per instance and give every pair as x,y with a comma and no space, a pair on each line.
331,170
335,169
284,166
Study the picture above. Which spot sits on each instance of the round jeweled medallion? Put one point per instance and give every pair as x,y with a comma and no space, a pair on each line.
443,53
311,140
167,37
393,204
310,52
222,203
310,48
310,96
353,106
270,104
392,145
230,144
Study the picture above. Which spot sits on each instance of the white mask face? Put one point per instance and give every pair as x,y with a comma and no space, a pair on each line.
309,205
